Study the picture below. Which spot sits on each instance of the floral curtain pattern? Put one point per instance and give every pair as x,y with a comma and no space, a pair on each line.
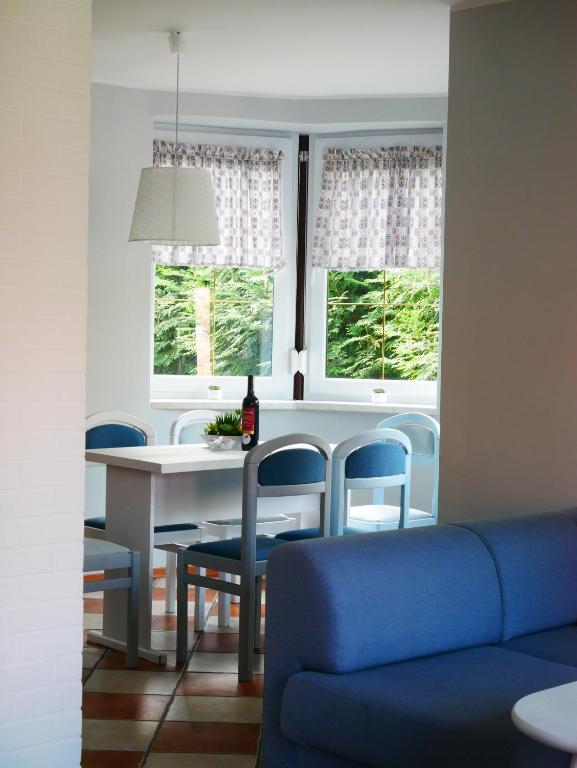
380,208
247,190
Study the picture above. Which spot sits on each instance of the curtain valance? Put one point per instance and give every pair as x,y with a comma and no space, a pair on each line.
247,189
380,208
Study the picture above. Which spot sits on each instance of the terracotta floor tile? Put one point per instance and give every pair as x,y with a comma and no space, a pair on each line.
235,609
216,709
124,706
105,758
208,684
188,760
93,605
117,660
237,738
219,642
118,735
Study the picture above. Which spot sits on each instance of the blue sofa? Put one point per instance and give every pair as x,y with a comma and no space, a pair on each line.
409,648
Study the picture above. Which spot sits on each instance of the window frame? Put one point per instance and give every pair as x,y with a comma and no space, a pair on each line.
280,384
317,385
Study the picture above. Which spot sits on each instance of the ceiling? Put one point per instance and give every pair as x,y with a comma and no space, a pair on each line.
292,48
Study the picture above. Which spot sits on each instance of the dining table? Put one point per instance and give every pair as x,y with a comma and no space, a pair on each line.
155,485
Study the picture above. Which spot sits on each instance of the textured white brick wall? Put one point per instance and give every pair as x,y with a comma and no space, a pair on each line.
44,127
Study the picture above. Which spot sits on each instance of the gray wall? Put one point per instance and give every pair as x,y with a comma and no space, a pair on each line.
509,352
119,276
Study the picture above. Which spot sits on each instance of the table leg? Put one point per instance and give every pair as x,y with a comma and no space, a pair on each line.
130,509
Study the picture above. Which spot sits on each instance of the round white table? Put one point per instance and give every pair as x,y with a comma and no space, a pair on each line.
550,717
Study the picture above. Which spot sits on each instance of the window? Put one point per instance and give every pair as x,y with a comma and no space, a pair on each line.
369,327
217,322
213,322
383,325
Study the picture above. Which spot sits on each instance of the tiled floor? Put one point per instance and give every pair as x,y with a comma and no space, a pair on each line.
176,716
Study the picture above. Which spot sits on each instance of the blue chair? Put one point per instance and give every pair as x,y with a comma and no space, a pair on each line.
423,432
376,459
271,470
114,429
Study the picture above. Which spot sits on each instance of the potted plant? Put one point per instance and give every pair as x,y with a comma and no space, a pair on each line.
214,392
225,431
379,395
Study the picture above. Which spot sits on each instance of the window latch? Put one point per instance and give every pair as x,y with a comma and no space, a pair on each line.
299,361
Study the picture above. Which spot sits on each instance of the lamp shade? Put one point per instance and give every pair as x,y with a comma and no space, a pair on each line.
175,206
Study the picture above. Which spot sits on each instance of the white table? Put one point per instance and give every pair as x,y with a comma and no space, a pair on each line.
550,717
151,485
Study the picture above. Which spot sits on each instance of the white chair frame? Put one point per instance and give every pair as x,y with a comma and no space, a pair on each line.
248,568
342,486
230,529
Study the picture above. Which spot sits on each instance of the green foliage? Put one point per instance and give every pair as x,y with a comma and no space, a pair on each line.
228,424
379,326
383,326
240,320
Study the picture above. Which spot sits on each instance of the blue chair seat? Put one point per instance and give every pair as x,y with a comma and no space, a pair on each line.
312,533
231,547
450,710
100,523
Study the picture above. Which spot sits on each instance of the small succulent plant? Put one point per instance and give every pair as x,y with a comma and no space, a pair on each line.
227,424
214,387
379,391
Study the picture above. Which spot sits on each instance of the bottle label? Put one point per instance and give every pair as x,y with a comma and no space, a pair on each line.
248,419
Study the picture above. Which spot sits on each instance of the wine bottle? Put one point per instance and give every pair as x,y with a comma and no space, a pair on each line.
249,418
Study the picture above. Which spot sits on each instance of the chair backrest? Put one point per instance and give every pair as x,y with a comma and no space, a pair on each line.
292,465
378,458
187,420
114,429
423,431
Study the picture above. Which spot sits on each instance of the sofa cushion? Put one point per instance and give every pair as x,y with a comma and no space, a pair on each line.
536,559
384,597
558,645
448,710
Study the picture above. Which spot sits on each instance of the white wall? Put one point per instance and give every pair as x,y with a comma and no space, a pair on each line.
120,272
509,363
44,122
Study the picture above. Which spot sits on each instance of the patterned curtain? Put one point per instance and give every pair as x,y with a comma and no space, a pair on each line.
247,190
379,208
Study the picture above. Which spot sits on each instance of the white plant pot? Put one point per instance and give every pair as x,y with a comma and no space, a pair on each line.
214,394
379,397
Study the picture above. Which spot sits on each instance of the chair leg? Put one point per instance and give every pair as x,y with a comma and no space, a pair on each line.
132,612
235,598
246,631
199,605
170,598
181,610
257,611
224,604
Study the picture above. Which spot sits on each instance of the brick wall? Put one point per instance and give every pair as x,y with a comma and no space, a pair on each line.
44,125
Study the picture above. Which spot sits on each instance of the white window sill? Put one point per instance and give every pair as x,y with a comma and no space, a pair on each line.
295,405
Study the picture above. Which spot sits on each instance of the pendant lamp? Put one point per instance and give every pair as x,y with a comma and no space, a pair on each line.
175,206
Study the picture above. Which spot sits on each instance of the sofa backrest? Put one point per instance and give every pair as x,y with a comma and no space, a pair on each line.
536,561
352,602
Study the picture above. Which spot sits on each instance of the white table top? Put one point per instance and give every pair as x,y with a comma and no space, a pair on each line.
168,459
550,717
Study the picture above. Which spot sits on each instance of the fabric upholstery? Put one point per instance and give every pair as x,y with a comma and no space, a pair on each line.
231,547
440,607
100,523
448,711
96,522
536,559
376,460
114,436
292,466
558,645
302,534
